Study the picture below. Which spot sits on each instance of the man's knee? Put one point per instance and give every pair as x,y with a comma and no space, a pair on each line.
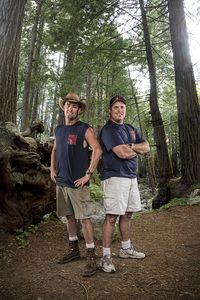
85,222
129,215
111,219
71,219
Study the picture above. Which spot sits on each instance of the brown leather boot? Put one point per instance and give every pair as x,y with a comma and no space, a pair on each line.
91,266
73,253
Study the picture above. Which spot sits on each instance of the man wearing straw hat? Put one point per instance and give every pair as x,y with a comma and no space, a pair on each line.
71,170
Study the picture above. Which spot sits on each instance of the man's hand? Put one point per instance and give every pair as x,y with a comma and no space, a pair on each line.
53,176
82,181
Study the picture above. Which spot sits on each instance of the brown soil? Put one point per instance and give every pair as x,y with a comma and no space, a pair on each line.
171,270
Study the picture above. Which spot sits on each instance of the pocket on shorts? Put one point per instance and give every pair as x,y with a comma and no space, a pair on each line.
84,195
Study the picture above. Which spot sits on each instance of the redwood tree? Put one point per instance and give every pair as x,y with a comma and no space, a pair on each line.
164,165
26,110
187,101
11,18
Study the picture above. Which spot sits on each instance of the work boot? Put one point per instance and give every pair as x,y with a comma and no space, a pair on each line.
73,253
91,267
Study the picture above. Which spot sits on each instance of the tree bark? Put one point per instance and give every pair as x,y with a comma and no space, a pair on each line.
26,110
67,86
187,101
136,102
164,165
55,111
11,18
36,86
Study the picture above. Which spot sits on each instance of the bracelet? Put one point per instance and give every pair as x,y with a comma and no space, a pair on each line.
88,172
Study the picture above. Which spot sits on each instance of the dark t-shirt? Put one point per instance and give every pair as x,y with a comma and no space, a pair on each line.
72,159
112,135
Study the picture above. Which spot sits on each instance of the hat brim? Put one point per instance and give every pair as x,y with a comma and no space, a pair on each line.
81,103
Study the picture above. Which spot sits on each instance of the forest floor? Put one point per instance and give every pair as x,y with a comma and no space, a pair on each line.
171,270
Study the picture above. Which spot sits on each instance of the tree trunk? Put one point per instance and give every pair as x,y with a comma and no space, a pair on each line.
36,86
164,165
88,93
11,18
175,157
26,110
35,102
55,111
187,101
68,83
136,102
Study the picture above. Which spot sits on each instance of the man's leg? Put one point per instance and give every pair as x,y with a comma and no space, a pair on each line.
124,226
108,231
88,234
87,228
72,226
127,250
73,253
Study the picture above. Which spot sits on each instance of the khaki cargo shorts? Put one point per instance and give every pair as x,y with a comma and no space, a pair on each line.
74,201
121,195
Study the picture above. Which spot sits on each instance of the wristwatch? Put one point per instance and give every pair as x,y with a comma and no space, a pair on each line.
88,172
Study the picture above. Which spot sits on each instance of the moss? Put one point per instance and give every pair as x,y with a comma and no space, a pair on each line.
172,203
192,188
175,202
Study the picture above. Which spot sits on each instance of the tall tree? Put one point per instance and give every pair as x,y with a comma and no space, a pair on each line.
187,101
11,18
164,166
26,110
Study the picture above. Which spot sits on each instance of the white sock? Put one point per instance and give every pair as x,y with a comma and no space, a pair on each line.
73,238
106,252
90,245
126,244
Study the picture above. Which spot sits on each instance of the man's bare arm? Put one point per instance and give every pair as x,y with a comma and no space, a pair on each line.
53,163
96,148
141,148
128,151
96,154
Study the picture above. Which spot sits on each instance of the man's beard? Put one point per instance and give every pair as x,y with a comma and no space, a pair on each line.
71,117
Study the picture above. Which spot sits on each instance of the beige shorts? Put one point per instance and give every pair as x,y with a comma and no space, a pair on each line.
121,195
75,202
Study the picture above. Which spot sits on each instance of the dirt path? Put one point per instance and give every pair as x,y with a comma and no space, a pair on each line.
171,270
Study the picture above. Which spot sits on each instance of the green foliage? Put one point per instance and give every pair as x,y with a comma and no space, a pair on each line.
174,202
22,235
192,188
2,251
95,192
50,217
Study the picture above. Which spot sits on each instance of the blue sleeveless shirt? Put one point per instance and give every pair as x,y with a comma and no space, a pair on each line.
72,159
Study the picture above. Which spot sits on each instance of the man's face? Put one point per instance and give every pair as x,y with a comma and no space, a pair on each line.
118,112
71,110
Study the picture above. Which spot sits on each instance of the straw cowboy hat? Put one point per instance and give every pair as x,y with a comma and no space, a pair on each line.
74,98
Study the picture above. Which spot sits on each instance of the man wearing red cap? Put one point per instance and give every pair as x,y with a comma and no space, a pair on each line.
121,143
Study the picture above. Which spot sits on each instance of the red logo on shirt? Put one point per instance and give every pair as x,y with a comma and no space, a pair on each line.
72,138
